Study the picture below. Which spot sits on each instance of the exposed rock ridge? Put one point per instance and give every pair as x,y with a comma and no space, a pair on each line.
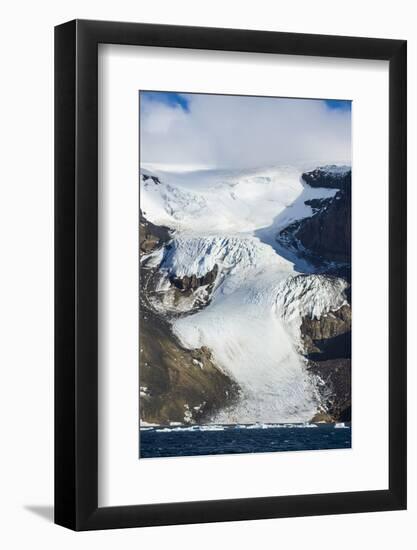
327,346
326,235
325,239
187,283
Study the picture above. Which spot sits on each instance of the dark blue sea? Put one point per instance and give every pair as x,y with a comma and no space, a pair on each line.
215,440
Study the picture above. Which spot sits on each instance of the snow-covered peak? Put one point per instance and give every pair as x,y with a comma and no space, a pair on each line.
231,201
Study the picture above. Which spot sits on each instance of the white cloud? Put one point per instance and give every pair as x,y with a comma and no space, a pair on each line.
238,131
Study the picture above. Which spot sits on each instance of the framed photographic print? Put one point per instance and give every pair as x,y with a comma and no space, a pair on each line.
230,275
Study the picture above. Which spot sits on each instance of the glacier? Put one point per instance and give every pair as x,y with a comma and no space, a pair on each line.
251,323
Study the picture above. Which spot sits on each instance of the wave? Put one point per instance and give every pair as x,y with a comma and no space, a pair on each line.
257,426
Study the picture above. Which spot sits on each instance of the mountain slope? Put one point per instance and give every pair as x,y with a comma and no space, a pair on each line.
225,284
176,384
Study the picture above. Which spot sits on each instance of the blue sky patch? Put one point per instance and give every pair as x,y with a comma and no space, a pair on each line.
338,104
172,99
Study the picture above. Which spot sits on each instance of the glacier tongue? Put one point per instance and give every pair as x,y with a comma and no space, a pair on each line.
252,323
252,327
251,342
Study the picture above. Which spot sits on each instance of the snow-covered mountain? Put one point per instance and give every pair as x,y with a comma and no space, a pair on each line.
225,283
227,201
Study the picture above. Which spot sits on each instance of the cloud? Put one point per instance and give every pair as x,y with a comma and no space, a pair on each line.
242,131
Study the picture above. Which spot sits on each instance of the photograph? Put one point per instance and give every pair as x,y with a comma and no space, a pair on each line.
208,335
208,274
244,274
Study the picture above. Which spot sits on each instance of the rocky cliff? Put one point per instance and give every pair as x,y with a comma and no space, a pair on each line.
327,347
326,235
325,239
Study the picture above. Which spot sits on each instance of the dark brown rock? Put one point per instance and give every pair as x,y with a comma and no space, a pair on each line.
151,236
330,325
182,385
155,179
328,232
321,177
177,384
327,346
326,235
335,387
187,283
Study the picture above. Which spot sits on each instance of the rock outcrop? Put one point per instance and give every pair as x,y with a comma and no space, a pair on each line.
193,282
332,177
327,331
326,235
334,386
327,347
178,384
151,236
155,179
325,239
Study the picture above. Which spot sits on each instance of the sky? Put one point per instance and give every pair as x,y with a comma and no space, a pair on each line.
227,131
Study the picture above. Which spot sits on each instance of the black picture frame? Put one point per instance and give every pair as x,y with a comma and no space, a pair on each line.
76,272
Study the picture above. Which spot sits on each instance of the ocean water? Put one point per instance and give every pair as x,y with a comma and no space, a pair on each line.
266,438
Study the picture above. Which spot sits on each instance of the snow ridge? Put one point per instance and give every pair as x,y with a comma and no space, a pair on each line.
310,295
189,254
